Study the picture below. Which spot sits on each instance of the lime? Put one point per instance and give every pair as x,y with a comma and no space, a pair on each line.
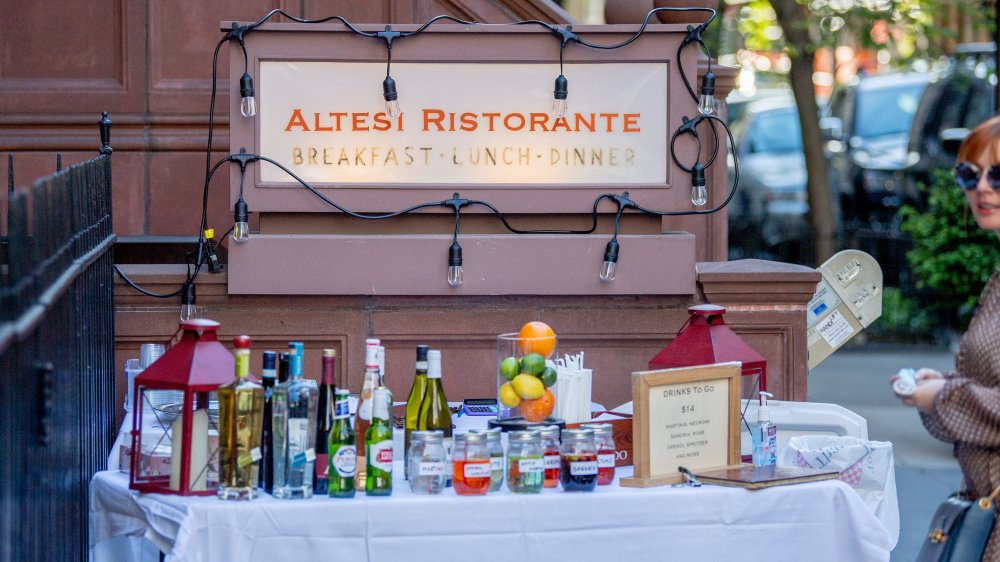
509,368
508,397
533,364
548,377
528,387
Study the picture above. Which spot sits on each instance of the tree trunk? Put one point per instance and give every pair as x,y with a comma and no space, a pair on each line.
792,17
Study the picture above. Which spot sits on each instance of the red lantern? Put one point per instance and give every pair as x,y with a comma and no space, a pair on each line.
172,424
705,339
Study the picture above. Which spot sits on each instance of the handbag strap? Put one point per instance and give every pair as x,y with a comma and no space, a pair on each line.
987,502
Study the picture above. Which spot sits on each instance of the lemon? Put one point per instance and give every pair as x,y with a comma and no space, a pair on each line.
533,364
508,397
528,387
509,368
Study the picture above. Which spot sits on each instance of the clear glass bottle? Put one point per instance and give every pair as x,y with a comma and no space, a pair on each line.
413,402
268,378
343,449
604,440
241,407
324,421
525,462
578,470
470,464
495,447
550,451
378,446
427,462
294,426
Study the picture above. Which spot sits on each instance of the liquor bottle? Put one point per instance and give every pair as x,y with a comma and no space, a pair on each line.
324,420
241,407
282,368
294,419
343,450
371,381
267,380
378,446
434,412
413,402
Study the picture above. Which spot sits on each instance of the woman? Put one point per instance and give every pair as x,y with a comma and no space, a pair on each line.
963,407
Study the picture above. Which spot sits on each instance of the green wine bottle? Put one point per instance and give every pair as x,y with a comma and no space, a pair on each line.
413,402
343,449
434,412
378,446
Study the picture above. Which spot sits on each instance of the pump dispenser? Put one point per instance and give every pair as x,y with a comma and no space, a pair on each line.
765,435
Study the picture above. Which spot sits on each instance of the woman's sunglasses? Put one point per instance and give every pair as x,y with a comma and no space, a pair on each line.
967,175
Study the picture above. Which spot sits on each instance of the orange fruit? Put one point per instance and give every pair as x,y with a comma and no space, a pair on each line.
537,337
540,408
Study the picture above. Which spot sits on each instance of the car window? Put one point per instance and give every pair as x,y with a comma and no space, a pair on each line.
954,97
886,111
776,131
980,106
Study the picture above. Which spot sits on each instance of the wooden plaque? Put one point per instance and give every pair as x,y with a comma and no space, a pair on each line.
684,417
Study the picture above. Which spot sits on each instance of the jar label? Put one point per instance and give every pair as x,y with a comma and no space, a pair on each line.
551,461
431,469
583,468
606,460
496,464
345,461
477,470
530,465
380,455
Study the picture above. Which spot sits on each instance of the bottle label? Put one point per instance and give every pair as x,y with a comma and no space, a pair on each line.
551,461
530,465
583,468
298,441
431,469
477,470
345,460
496,463
343,410
380,455
606,460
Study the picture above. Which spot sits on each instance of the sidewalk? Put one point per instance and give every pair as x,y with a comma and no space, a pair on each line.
926,471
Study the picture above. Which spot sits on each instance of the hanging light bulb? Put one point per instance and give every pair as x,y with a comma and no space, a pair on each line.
455,274
610,261
699,194
389,93
248,104
188,309
559,104
706,102
241,228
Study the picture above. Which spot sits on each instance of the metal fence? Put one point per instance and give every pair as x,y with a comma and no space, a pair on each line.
56,358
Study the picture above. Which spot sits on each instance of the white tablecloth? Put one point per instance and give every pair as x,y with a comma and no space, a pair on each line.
821,521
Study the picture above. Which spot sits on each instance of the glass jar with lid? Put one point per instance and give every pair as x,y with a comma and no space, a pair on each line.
550,454
495,447
470,464
525,467
578,460
427,462
604,440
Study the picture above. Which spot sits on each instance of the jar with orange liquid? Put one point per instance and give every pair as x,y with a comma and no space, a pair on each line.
471,465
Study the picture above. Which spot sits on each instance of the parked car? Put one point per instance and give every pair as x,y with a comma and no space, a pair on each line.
769,216
952,104
866,125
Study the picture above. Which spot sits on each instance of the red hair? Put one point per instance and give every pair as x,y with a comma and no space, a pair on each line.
984,139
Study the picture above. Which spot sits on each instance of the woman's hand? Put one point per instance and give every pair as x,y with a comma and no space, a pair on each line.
923,397
927,374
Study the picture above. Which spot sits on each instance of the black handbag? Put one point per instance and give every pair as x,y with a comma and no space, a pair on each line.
960,529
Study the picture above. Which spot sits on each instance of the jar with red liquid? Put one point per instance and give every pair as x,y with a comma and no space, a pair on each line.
550,454
578,461
604,440
471,464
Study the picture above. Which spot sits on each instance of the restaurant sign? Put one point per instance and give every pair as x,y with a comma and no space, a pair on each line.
463,124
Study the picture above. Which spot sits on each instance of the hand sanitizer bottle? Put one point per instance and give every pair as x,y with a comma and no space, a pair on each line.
765,435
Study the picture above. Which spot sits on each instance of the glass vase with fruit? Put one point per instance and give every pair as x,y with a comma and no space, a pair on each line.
525,375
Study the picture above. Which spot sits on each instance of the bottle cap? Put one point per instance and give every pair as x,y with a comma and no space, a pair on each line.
525,436
433,364
371,353
270,361
329,352
764,412
296,352
242,342
600,429
427,436
380,403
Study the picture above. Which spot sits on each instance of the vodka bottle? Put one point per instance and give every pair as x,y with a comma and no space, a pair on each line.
324,420
241,407
378,446
416,396
343,450
294,419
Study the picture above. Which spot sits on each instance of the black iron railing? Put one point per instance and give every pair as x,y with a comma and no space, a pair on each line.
56,358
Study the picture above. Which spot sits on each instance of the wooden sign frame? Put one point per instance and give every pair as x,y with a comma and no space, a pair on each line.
728,374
